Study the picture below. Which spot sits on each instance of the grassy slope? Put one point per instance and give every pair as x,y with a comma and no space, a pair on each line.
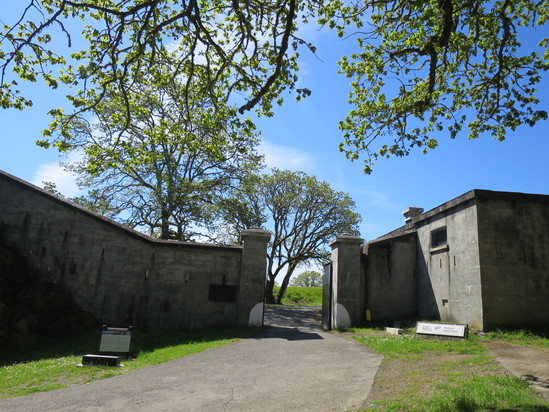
302,296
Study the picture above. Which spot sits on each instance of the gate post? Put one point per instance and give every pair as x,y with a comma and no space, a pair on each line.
347,281
251,296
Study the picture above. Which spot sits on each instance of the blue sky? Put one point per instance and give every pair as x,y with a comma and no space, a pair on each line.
304,136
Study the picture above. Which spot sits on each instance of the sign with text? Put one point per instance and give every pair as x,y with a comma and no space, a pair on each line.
442,329
115,340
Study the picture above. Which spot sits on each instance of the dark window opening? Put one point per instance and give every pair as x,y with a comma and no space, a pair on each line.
222,293
439,237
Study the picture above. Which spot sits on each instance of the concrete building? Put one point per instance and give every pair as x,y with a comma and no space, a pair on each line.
480,259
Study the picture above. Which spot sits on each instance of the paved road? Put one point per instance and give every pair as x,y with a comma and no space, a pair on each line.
291,366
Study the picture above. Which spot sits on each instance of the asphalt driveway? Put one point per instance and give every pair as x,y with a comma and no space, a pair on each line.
291,366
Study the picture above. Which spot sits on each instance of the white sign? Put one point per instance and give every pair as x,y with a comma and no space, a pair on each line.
115,340
441,329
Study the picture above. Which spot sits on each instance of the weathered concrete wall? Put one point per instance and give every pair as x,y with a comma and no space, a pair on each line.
124,277
347,281
391,279
449,284
490,270
252,281
514,256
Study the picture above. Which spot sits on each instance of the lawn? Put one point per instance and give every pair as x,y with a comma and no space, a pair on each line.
302,296
54,363
433,375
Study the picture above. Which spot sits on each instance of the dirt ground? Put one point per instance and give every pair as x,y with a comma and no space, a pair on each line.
531,364
419,377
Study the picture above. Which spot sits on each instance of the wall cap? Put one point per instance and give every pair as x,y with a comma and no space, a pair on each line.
259,234
347,239
109,222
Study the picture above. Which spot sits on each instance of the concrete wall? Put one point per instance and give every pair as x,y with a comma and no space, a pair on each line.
449,284
491,271
124,277
347,282
391,279
514,255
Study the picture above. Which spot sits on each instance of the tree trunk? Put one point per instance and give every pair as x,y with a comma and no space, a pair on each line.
269,294
284,285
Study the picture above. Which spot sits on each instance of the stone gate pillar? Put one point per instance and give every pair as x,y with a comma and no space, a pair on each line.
251,295
347,281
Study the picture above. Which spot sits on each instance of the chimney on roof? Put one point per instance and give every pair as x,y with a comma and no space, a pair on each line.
411,213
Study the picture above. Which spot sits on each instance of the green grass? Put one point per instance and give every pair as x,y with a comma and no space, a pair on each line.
54,364
485,393
404,345
521,337
302,296
435,375
356,329
471,394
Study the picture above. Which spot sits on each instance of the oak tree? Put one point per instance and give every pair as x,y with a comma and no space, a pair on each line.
307,279
163,172
424,69
242,52
431,68
303,214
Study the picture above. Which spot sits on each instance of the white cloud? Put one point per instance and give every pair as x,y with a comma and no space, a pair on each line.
53,172
285,157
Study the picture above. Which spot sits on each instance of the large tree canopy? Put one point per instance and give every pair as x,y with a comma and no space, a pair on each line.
244,51
304,215
307,279
431,65
175,161
424,69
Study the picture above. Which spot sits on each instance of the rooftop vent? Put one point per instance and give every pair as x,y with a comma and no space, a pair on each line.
412,212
